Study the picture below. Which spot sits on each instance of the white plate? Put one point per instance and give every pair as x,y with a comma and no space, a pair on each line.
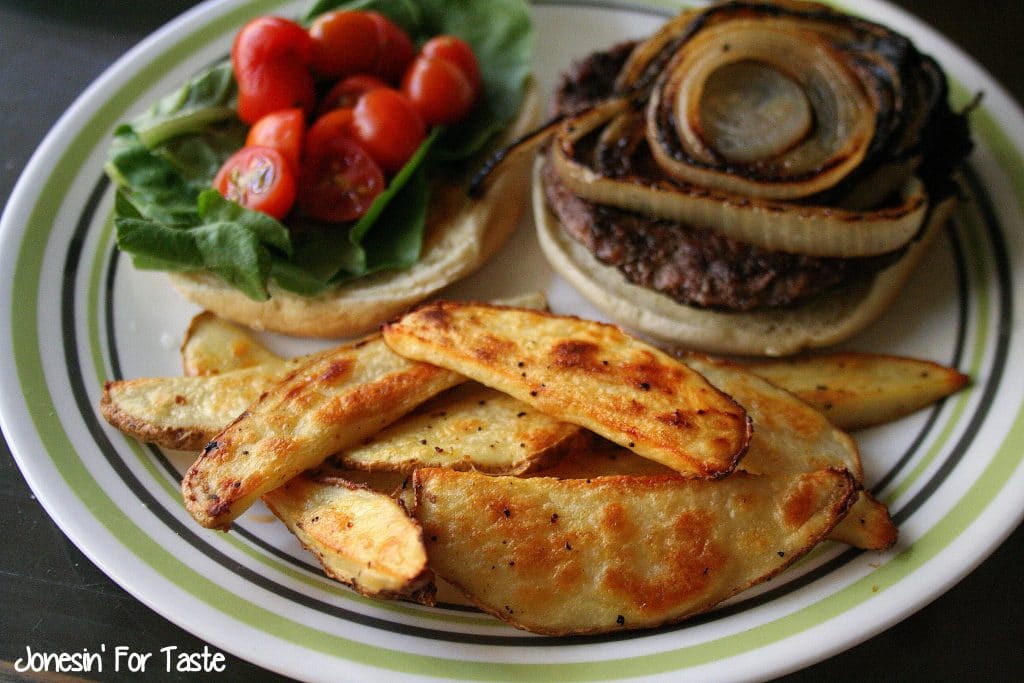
77,314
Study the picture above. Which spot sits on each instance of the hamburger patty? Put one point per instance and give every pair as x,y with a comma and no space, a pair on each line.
693,266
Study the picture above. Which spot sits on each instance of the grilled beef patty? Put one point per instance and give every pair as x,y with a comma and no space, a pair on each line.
693,266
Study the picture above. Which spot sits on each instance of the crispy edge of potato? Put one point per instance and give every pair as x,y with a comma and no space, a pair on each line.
333,517
846,491
213,345
425,334
867,526
839,386
297,423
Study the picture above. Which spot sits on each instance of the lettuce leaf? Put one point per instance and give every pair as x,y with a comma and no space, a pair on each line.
163,162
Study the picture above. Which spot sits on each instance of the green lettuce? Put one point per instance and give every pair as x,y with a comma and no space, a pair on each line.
163,163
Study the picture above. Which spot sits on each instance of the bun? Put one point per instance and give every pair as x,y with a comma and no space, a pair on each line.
825,321
462,234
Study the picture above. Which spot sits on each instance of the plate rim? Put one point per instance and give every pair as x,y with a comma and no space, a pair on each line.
70,120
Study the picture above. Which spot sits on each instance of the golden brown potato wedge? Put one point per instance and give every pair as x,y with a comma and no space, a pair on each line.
868,526
468,427
213,346
332,402
789,436
362,538
857,390
566,557
185,412
587,373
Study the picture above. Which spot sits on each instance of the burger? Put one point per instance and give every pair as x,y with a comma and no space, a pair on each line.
755,178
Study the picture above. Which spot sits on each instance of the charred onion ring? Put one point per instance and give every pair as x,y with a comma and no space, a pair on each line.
784,125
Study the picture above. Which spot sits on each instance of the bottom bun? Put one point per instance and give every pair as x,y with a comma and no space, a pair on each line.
462,234
827,320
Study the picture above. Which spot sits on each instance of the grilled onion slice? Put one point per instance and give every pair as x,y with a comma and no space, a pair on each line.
771,224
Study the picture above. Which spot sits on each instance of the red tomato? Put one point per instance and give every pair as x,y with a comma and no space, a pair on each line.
339,181
345,42
458,52
387,124
440,91
272,86
347,91
269,39
396,49
258,178
283,130
334,124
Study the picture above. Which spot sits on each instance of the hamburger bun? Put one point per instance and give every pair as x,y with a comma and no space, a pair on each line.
826,320
461,235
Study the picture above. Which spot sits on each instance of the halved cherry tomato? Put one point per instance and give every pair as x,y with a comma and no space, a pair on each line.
387,124
440,91
347,91
345,42
396,49
269,39
336,123
275,85
458,52
258,178
339,181
283,130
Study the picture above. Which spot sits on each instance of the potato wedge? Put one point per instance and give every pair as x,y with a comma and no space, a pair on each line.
564,557
868,526
185,413
789,436
213,346
468,427
587,373
362,538
857,390
332,402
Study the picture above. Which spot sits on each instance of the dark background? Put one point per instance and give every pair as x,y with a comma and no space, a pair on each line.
54,599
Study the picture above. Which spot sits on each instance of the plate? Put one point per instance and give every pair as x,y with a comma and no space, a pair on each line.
78,314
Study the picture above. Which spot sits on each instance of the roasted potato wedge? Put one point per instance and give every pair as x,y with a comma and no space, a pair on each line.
857,390
587,373
185,413
468,427
362,538
789,436
332,402
213,346
565,557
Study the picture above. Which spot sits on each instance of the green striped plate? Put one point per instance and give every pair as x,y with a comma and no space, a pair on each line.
76,315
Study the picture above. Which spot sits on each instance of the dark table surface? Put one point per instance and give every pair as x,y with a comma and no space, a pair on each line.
53,599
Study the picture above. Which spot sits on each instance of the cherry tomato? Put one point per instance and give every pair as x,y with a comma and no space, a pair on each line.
339,181
440,91
345,42
284,131
396,49
387,124
336,123
269,39
458,52
258,178
347,91
272,86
